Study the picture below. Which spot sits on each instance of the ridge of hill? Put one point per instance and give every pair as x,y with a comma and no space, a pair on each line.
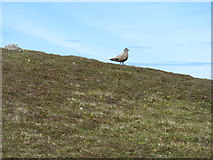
67,106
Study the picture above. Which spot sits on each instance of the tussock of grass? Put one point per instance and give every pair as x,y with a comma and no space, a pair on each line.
57,106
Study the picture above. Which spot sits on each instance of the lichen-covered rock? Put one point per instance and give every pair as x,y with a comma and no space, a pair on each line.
13,47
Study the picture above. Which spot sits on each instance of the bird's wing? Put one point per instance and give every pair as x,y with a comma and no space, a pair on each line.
116,58
119,56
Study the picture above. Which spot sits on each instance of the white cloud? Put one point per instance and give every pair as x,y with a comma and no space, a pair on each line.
39,30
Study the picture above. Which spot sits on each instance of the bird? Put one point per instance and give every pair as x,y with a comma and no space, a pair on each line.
122,57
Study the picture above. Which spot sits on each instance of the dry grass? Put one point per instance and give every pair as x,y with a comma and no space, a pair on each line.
68,107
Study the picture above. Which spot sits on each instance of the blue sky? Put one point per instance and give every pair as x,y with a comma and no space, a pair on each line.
171,36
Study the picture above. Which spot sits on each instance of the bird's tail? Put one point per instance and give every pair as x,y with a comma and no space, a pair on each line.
113,59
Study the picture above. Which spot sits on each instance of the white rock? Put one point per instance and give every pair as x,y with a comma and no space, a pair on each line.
13,47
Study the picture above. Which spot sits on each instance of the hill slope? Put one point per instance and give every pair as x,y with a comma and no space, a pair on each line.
57,106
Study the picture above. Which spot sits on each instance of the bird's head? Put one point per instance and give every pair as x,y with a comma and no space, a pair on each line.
126,49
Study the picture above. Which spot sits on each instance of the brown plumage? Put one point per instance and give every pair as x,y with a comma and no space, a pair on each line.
122,57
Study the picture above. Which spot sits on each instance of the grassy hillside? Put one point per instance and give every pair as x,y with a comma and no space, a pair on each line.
67,106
